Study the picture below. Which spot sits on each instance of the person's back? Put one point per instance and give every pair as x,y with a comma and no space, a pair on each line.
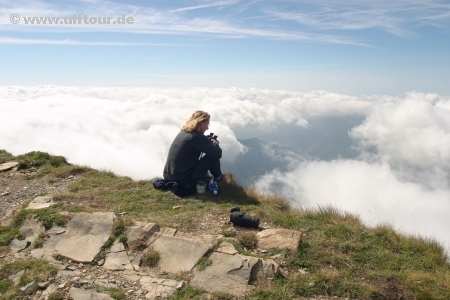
183,164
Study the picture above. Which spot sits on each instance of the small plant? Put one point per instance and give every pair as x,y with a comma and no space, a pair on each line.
123,238
39,242
101,255
248,239
118,227
109,242
183,276
58,295
117,293
5,285
229,232
150,258
58,257
187,292
222,296
203,263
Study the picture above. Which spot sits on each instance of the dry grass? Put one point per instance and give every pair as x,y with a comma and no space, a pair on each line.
342,256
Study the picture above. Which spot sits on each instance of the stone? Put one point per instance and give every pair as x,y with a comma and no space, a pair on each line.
48,249
91,230
168,231
227,248
30,288
31,229
117,247
117,261
8,166
159,287
62,285
18,245
80,294
52,288
136,235
176,253
279,238
41,202
135,260
219,277
56,230
7,218
44,285
234,273
16,277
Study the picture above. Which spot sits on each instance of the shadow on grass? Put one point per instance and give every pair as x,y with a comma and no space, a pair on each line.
230,191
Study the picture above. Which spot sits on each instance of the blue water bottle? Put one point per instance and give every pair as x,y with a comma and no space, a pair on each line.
213,187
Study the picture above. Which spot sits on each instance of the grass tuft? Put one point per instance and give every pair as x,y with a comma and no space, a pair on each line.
150,258
248,239
203,263
58,295
188,292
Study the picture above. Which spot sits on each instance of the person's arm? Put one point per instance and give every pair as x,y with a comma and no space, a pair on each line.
203,144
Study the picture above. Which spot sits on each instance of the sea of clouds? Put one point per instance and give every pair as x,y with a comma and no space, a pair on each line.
401,174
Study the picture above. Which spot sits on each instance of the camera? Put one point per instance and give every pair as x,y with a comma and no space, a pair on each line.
239,218
212,137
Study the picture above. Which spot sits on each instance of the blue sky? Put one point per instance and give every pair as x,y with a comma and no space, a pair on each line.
352,47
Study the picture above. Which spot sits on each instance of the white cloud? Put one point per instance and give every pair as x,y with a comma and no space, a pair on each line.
401,176
371,190
413,135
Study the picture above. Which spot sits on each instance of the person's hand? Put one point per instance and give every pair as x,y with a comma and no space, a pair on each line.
215,142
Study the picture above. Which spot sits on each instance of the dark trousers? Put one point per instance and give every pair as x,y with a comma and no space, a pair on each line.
201,169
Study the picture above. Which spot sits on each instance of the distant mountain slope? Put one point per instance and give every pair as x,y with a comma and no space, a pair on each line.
326,138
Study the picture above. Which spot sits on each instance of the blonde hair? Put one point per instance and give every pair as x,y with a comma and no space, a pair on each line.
196,118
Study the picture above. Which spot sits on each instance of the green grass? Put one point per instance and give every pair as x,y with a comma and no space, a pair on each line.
150,258
187,293
203,263
115,293
58,295
35,269
341,255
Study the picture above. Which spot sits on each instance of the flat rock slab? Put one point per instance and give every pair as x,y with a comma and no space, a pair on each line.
139,233
48,249
234,273
279,238
31,229
168,231
80,294
117,261
227,248
18,245
30,288
41,202
8,166
158,288
86,233
176,253
219,277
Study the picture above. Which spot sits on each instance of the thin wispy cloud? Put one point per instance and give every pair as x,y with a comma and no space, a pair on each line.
206,5
20,41
158,21
396,17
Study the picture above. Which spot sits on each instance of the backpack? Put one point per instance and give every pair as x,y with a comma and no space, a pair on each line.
162,184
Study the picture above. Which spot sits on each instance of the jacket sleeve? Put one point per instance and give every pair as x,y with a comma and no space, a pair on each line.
203,144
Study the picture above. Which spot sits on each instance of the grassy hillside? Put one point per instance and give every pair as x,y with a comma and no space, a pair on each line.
338,254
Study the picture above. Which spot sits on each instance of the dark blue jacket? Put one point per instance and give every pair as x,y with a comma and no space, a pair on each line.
184,154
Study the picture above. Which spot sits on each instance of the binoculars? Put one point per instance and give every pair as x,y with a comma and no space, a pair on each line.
212,137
